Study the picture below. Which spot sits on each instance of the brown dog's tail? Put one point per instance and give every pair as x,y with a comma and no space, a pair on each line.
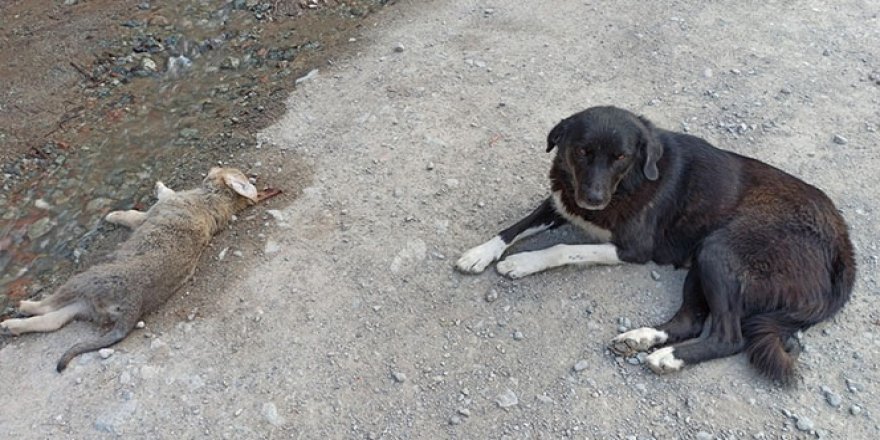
120,330
767,344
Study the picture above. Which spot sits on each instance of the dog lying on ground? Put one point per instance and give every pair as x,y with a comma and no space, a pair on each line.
768,254
161,254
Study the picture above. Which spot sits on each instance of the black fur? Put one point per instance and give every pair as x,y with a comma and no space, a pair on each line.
768,254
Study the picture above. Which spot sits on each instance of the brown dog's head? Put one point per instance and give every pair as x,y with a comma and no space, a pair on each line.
231,179
599,147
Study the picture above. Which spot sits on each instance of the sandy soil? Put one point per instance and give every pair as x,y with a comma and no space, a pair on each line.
351,323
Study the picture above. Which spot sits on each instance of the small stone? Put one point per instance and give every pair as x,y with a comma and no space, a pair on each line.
833,398
398,376
655,275
703,435
507,399
581,365
238,254
804,424
230,63
271,247
70,2
140,324
465,412
839,140
148,64
430,166
633,360
41,204
270,413
455,420
518,336
276,214
399,48
545,399
707,73
105,353
855,410
491,295
40,227
189,133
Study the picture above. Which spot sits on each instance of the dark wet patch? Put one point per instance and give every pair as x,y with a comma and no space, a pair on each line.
164,91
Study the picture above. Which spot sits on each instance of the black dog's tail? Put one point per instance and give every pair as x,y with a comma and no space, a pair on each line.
120,330
768,335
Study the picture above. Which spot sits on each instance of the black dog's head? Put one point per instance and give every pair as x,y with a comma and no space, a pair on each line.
601,146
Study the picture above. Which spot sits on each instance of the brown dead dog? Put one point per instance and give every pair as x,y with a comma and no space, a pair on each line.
768,254
161,254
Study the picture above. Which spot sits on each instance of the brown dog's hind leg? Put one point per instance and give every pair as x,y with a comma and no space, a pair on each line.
48,322
36,307
130,219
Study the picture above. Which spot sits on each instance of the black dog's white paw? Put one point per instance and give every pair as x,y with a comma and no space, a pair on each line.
524,264
663,361
478,258
640,339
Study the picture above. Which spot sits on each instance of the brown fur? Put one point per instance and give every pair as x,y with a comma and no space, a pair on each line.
161,254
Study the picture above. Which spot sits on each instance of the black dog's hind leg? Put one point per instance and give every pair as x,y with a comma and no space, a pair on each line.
721,291
544,217
686,324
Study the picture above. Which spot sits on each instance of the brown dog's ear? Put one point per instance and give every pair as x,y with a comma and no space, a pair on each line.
652,147
556,134
240,185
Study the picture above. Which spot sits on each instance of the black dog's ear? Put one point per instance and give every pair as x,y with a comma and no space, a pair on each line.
556,134
652,147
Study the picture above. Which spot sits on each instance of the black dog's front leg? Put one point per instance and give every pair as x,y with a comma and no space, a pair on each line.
544,217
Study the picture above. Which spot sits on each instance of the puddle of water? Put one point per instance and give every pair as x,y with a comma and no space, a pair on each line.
187,88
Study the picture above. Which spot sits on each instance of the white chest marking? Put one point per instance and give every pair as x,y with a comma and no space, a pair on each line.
601,234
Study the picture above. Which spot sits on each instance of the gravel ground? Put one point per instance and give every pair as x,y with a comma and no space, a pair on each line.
349,321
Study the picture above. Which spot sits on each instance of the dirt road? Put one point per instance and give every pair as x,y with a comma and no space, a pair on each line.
351,323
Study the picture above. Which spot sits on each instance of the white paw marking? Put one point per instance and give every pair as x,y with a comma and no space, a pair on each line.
524,264
478,258
663,361
640,339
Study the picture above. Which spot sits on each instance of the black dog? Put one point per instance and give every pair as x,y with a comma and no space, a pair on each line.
768,254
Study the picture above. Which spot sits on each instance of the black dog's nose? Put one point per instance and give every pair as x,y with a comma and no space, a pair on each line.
594,198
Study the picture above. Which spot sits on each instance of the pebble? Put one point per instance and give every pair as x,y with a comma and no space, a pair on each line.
581,365
40,227
271,247
491,295
855,410
507,399
707,73
140,324
311,75
518,336
455,420
148,64
399,48
105,353
703,435
839,140
804,424
237,254
655,275
276,214
465,412
430,166
831,397
398,376
42,204
270,413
